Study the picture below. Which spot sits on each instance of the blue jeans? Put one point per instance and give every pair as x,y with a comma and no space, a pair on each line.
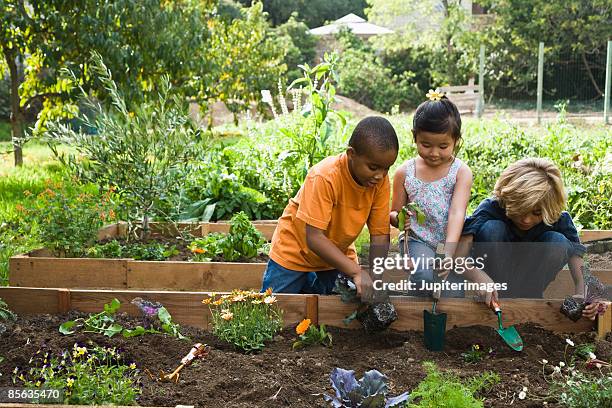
424,272
527,267
283,280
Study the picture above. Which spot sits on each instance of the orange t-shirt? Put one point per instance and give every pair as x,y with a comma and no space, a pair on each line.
330,200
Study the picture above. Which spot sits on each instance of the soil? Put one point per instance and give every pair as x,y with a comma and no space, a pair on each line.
279,376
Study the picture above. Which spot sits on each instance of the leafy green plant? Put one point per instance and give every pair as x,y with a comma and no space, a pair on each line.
149,251
370,391
111,249
89,374
245,319
310,334
475,354
412,207
68,220
243,241
5,313
576,389
440,389
104,323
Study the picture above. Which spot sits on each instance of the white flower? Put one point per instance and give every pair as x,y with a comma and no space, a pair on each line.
544,361
592,356
557,369
522,395
561,364
525,389
568,341
598,365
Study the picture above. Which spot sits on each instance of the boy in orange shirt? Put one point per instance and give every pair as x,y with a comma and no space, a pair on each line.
313,241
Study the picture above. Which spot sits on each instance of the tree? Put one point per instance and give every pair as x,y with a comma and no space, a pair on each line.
581,27
299,45
139,41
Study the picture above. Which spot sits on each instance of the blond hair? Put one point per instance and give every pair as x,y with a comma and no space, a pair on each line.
531,184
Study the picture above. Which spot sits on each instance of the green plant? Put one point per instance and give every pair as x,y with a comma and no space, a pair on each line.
440,389
245,319
88,375
576,389
370,391
243,241
104,323
149,251
68,220
475,354
111,249
311,334
140,151
5,313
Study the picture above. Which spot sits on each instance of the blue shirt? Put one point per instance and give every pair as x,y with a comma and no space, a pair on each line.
489,209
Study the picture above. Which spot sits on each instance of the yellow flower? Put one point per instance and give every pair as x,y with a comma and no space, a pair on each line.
227,315
132,366
269,300
302,327
69,382
476,347
81,351
434,95
256,301
217,302
207,301
239,298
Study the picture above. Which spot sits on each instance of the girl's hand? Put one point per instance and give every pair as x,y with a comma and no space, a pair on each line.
407,222
592,310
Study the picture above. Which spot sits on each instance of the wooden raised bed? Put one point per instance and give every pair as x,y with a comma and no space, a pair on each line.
186,308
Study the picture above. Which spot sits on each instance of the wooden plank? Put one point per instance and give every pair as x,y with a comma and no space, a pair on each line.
604,323
63,301
24,405
563,285
594,235
312,309
194,276
47,272
25,301
461,312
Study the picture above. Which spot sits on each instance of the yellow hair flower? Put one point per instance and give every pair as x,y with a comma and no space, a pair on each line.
434,95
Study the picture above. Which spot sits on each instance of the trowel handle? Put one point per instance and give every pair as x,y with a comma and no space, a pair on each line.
495,306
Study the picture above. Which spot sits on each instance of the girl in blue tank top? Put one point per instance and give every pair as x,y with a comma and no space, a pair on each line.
438,183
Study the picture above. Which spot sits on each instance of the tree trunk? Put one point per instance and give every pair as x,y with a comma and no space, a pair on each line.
17,116
588,70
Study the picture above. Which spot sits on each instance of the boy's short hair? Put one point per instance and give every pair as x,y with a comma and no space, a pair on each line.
532,184
373,132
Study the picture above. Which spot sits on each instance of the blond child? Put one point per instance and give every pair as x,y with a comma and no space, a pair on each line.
524,233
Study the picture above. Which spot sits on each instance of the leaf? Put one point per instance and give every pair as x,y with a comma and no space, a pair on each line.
164,315
297,81
343,381
66,328
113,329
391,402
112,307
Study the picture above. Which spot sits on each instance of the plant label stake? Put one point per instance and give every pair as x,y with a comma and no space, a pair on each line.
434,324
510,335
197,351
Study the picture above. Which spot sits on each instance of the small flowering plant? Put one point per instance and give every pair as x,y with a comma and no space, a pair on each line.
244,318
68,219
475,354
88,375
310,334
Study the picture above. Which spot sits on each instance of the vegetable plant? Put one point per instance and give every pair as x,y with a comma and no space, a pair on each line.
310,334
369,391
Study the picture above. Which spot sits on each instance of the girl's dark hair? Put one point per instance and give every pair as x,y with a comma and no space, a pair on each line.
438,117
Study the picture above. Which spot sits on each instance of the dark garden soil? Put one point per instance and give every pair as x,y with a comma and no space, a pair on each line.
280,377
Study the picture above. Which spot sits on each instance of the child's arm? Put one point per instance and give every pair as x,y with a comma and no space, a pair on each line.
456,213
400,198
576,266
327,251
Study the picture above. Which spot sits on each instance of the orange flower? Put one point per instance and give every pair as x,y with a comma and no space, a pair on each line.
20,208
198,251
268,292
111,214
302,327
207,301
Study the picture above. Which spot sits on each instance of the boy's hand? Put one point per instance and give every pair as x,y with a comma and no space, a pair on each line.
484,295
592,310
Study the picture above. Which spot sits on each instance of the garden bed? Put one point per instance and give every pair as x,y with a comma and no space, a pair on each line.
279,376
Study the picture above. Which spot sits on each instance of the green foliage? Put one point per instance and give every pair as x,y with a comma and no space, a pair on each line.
299,45
149,251
141,153
245,319
314,13
5,313
576,389
440,389
243,242
475,355
88,375
104,323
311,335
363,77
68,220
